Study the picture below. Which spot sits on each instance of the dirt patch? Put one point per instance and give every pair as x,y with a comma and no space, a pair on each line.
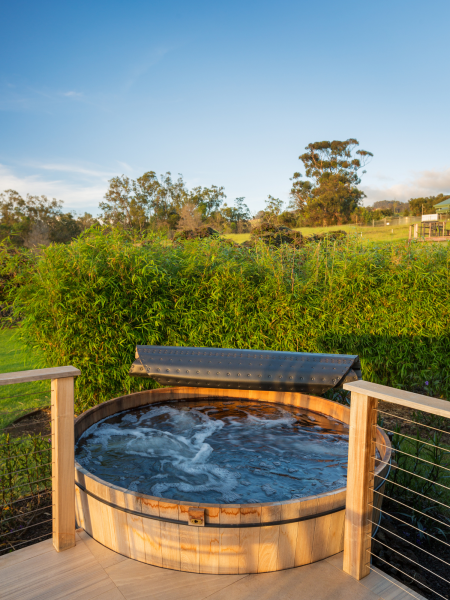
34,423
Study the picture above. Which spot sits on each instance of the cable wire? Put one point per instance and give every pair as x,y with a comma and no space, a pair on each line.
17,425
411,508
413,561
410,576
26,469
413,491
415,475
28,498
28,541
392,581
415,457
25,484
18,442
30,454
27,527
411,438
413,527
414,422
408,542
25,514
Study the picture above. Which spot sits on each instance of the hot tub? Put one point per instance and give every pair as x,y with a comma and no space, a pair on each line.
215,538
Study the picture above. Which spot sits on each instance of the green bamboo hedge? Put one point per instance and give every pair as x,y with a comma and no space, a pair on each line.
90,302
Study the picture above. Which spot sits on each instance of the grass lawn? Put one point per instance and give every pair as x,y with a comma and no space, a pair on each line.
27,396
369,234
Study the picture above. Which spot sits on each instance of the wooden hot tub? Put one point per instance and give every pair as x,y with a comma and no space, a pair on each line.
214,538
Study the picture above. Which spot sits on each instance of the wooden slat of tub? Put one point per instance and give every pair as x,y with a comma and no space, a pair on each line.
93,510
79,513
119,531
152,532
229,540
124,498
189,541
102,511
93,484
86,514
209,542
81,503
97,520
322,529
287,542
170,536
305,532
334,540
115,527
249,539
136,537
113,530
268,539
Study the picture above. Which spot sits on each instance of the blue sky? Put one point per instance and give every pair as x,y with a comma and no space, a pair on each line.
225,93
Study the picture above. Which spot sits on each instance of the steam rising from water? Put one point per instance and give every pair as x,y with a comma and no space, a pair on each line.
229,451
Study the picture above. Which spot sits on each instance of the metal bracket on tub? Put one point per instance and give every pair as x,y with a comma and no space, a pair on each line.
196,517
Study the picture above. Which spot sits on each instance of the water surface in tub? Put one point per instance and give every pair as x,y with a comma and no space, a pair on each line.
218,451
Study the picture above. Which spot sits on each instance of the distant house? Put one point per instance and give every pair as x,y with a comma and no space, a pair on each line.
443,207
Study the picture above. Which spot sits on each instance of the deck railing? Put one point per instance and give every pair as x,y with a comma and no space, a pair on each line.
366,413
62,463
433,472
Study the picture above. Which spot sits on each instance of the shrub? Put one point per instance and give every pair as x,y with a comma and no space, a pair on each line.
90,302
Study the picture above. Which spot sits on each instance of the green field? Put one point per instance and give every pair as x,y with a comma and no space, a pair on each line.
370,234
27,396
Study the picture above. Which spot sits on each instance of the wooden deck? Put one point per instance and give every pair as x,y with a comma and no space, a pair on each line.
90,571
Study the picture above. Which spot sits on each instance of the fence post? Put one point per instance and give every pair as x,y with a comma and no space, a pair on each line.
360,483
63,459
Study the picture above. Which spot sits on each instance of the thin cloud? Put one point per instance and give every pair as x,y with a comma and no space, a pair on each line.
124,165
72,94
65,168
76,196
424,183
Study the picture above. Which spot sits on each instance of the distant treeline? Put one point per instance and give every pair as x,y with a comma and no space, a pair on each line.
328,195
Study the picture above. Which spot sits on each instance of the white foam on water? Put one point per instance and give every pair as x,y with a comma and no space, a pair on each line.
201,453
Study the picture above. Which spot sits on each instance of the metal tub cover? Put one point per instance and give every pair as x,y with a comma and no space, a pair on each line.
245,369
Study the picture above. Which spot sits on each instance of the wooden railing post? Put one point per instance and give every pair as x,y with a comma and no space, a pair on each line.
63,459
360,484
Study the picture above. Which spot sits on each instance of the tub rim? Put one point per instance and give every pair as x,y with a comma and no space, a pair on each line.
179,394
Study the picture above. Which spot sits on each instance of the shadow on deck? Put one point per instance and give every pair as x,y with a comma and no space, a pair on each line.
91,571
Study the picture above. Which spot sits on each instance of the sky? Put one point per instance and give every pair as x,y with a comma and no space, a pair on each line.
225,93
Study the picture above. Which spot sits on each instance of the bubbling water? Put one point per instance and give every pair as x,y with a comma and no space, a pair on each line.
218,452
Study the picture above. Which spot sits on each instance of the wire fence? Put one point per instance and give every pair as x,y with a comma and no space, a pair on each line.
393,221
25,478
411,542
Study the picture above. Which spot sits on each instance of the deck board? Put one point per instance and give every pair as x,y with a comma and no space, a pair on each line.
89,571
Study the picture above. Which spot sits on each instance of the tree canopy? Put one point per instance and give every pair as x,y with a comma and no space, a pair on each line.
38,220
330,193
152,201
425,206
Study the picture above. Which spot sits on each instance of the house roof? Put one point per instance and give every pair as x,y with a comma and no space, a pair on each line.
443,203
